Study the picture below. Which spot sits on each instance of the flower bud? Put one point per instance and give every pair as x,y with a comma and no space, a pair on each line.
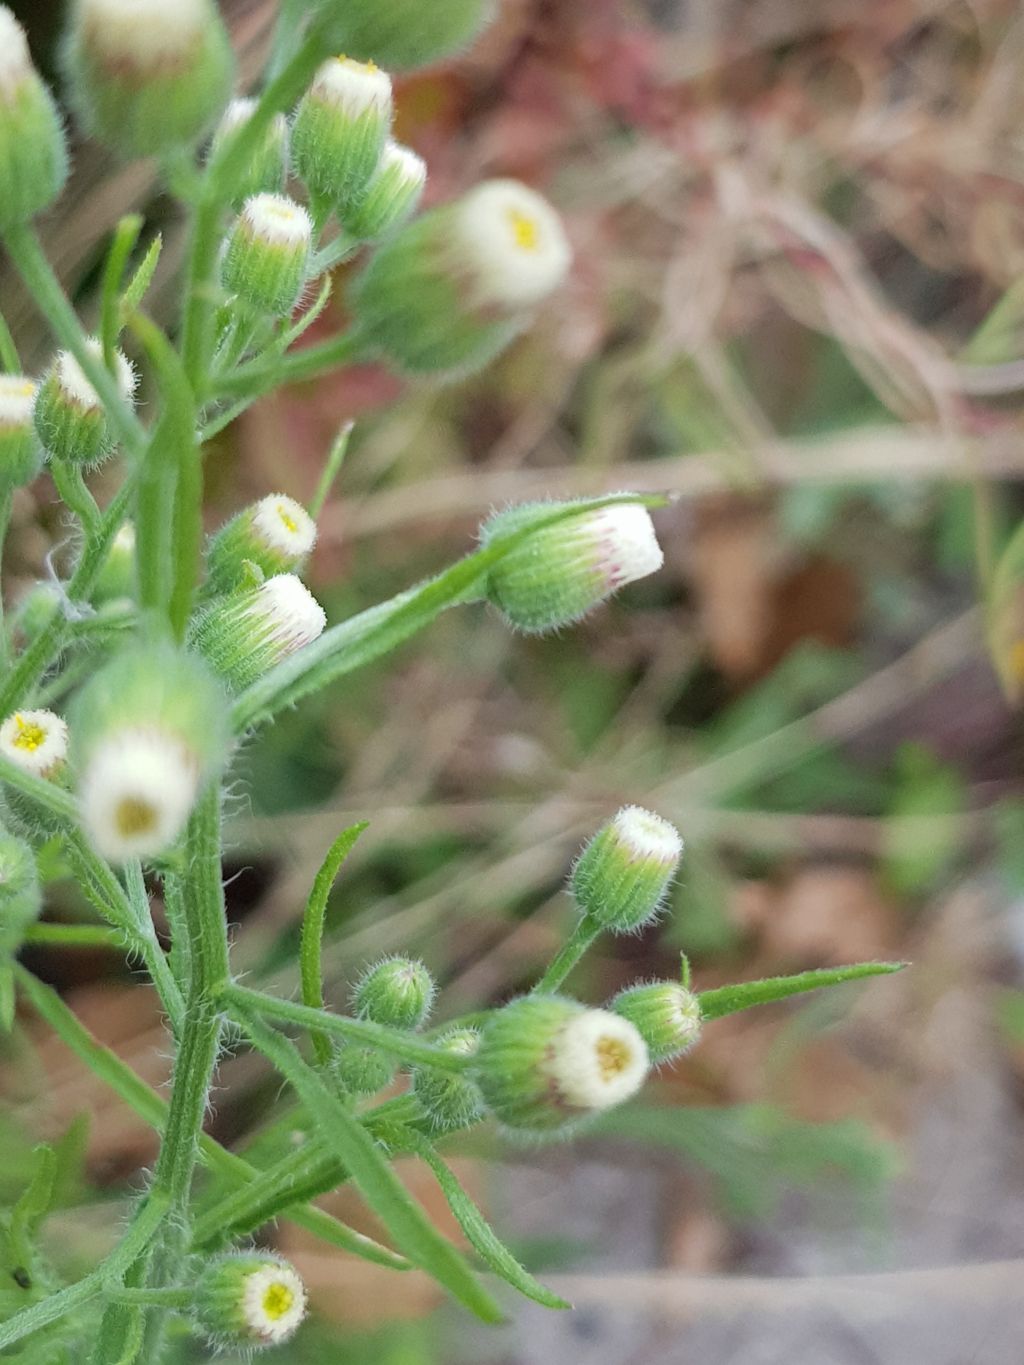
451,1100
397,991
623,873
145,76
363,1070
21,455
266,256
69,416
249,1300
244,634
452,288
405,33
21,899
560,574
267,168
116,579
276,534
340,128
33,154
391,197
665,1014
545,1063
147,731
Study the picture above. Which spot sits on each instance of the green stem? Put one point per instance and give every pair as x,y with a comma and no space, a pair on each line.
163,1298
581,938
259,376
70,484
30,261
239,999
74,936
9,357
5,521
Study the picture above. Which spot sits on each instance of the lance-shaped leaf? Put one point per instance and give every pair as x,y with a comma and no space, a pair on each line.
481,1235
313,930
745,994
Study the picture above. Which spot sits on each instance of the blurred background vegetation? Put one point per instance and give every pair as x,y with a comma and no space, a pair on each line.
796,306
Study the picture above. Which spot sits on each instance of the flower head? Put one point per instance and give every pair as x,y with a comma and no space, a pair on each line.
37,741
33,151
268,163
21,455
451,1099
353,87
624,872
275,534
397,991
568,568
136,794
68,412
392,195
545,1063
511,245
245,633
404,33
339,130
267,253
250,1300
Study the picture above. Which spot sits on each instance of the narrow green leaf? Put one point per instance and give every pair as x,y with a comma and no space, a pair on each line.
745,994
377,631
138,285
313,930
34,1202
126,234
372,1173
481,1235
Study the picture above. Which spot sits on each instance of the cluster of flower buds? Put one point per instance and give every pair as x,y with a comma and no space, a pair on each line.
266,169
397,992
146,76
21,454
545,1064
248,1301
33,153
447,292
69,417
405,33
564,570
148,730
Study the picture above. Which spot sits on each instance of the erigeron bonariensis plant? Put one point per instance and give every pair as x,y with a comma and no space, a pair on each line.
192,650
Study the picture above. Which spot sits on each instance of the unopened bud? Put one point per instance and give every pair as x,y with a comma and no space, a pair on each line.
145,76
340,128
447,292
21,455
562,572
276,534
665,1014
398,991
244,634
267,254
363,1070
69,416
249,1300
147,731
451,1099
391,197
116,579
546,1063
267,166
405,33
33,153
621,877
21,899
